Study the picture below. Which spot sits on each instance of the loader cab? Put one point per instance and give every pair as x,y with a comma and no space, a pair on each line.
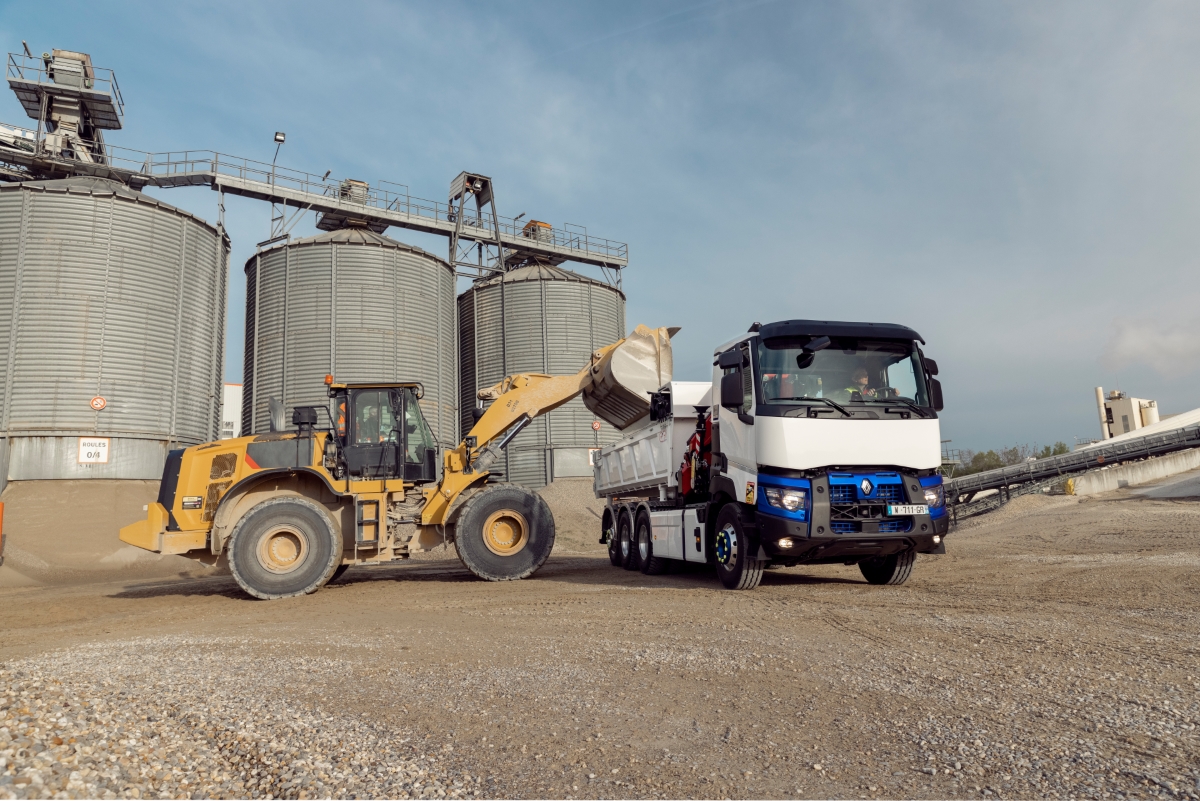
382,433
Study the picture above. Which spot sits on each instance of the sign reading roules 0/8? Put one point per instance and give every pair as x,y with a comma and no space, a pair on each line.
93,450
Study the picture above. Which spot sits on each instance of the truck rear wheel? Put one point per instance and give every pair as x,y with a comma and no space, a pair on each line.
737,568
504,532
651,565
283,547
894,569
609,528
628,535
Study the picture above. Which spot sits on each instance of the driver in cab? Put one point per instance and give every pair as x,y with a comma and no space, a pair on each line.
859,381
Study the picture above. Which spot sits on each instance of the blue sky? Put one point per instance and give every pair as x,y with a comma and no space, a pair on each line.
1017,181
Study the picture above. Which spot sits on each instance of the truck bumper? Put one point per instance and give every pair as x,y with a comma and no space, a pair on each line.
151,534
841,548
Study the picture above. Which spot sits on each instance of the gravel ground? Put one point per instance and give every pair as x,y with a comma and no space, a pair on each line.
161,718
1053,653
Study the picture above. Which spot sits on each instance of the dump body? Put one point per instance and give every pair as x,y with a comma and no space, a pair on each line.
646,460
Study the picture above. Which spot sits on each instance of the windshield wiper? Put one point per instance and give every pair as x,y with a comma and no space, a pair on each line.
907,403
837,406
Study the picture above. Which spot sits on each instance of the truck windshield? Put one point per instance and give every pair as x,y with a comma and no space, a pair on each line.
849,370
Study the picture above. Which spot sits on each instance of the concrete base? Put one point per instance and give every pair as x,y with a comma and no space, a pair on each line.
1135,473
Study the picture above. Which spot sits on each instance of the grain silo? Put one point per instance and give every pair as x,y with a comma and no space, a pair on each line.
112,330
539,319
354,304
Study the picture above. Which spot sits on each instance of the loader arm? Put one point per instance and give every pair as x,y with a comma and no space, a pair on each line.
520,399
527,395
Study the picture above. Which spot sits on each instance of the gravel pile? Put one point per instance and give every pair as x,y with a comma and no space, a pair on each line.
183,718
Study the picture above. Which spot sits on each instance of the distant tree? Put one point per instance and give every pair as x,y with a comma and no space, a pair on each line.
979,461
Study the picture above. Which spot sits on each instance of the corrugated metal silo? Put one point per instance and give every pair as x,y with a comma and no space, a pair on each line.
108,298
539,319
355,304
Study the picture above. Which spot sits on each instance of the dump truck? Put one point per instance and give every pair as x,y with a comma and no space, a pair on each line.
356,481
815,442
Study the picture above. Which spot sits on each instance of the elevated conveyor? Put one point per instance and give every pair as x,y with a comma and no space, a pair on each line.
1036,475
376,206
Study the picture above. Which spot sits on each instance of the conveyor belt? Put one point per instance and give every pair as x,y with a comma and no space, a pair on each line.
1033,476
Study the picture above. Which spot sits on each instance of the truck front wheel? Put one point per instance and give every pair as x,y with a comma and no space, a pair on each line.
894,569
504,532
737,567
283,547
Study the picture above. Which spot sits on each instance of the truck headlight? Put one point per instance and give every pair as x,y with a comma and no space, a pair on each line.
787,498
935,496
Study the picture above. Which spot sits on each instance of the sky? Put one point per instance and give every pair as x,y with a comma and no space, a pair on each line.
1019,182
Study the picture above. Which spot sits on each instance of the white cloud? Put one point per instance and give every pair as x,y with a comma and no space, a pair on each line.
1172,350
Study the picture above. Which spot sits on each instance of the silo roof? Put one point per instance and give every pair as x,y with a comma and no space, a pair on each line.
351,236
91,185
544,272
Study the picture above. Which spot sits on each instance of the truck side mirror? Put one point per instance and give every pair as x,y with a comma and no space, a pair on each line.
935,393
732,394
931,367
730,358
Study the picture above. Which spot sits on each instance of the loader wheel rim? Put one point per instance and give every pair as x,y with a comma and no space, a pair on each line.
282,550
505,532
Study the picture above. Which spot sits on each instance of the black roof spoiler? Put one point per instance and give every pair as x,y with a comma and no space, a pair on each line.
828,328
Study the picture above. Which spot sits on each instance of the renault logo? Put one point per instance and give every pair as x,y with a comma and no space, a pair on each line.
866,486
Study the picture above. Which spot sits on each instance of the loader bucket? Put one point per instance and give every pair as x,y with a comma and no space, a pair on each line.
623,380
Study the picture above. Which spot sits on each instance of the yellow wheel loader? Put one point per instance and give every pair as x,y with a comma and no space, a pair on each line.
356,481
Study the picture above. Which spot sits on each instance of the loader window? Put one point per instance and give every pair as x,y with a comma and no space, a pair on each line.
418,436
374,418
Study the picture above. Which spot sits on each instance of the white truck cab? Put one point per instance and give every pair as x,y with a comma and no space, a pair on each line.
819,443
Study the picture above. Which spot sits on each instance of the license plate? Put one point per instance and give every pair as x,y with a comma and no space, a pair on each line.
908,509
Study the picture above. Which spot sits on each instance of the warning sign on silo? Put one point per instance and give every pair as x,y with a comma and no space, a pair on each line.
93,450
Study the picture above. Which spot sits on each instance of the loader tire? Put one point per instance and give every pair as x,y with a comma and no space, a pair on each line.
282,548
651,565
504,532
338,573
894,569
737,567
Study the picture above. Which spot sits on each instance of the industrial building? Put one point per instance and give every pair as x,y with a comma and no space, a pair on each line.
112,347
1121,414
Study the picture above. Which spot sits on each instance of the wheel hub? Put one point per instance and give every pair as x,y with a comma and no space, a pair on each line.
727,545
282,550
505,532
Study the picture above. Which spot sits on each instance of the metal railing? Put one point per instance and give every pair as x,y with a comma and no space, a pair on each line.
387,202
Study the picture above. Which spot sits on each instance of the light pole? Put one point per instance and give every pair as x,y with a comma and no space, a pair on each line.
277,212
